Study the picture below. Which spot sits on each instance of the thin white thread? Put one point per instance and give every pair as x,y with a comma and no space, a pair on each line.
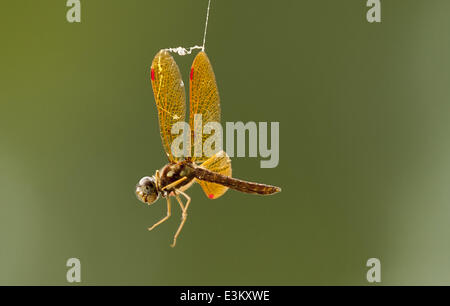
183,51
206,25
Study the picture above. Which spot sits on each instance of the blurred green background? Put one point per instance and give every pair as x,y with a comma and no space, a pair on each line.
364,118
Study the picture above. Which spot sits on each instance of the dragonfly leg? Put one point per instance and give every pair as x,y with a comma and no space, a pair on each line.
184,213
163,219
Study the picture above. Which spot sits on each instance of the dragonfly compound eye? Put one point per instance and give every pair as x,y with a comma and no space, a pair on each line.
146,190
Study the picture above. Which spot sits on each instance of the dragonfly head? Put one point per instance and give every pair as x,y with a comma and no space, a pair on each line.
147,190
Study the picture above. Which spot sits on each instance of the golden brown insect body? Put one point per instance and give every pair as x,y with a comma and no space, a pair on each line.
181,175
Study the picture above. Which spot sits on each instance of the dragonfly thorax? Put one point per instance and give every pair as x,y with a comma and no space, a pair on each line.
181,172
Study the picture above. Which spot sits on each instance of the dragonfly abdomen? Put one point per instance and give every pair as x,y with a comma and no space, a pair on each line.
234,183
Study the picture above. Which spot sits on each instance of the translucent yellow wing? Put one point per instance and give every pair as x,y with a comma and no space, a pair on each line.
170,97
220,163
204,99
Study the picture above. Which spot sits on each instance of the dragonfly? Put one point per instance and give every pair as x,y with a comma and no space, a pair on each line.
212,173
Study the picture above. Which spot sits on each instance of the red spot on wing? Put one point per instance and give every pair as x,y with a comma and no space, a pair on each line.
211,196
153,74
192,73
